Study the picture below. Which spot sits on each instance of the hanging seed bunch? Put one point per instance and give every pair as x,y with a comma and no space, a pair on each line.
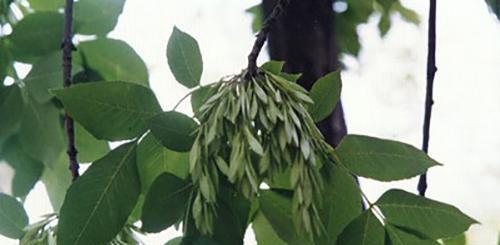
252,129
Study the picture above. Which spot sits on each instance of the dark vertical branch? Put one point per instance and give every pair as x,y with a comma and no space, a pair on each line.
68,47
431,72
262,36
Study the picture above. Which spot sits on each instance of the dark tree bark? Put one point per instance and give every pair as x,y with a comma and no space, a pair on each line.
304,37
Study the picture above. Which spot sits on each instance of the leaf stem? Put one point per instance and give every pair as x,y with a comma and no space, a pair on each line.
68,47
429,101
262,36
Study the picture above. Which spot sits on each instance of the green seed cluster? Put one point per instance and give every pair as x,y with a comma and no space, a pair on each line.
250,131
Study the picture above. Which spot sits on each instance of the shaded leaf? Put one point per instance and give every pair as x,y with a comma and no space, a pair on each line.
273,66
96,16
381,159
364,230
46,74
184,58
174,130
341,204
37,34
200,96
41,133
258,17
110,110
165,203
12,107
114,60
325,93
430,218
456,240
401,237
154,159
264,232
89,148
13,218
98,204
27,171
57,179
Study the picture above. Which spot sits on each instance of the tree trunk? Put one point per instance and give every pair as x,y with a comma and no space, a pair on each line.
304,37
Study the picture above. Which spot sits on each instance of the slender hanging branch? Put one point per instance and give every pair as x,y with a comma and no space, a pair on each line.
68,47
262,35
429,101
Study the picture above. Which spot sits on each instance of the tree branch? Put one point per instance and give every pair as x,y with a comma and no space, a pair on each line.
68,47
262,36
429,101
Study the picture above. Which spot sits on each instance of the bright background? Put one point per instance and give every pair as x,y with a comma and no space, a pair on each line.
383,92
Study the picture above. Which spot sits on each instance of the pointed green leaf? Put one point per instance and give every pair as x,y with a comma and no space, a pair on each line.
37,34
13,218
232,217
273,66
41,133
326,94
258,17
430,218
184,58
154,159
110,110
174,130
341,204
398,236
27,171
165,203
364,230
96,16
99,203
114,60
381,159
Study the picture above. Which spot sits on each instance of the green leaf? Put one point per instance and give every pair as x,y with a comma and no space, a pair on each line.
232,217
278,211
364,230
154,159
398,236
383,160
114,60
57,179
264,232
274,67
97,16
46,5
12,108
175,241
99,203
110,110
41,133
258,17
326,94
13,218
27,171
47,74
37,34
198,240
200,96
341,204
456,240
174,130
165,203
184,58
89,148
384,24
430,218
407,14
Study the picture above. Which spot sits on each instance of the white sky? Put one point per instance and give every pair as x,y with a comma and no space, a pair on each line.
383,91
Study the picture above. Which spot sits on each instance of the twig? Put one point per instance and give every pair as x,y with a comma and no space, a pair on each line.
431,72
262,36
68,47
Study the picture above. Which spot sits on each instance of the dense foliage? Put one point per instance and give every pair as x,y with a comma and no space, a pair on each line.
250,156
